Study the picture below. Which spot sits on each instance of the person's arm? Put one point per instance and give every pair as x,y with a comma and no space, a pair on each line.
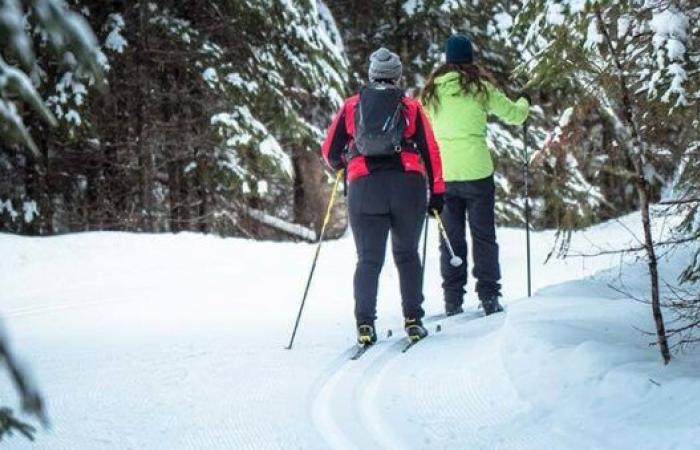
512,113
336,140
429,151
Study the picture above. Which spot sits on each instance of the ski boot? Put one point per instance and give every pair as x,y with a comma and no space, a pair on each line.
452,309
415,329
491,305
366,334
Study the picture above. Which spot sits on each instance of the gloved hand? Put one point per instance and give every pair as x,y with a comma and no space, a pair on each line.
338,165
435,204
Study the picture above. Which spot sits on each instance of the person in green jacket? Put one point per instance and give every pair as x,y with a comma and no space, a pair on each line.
459,97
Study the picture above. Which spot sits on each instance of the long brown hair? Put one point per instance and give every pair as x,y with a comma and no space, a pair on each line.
471,78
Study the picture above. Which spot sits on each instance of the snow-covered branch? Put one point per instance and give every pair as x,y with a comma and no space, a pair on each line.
294,229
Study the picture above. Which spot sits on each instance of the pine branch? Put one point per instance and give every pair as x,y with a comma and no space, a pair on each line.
679,202
9,423
32,401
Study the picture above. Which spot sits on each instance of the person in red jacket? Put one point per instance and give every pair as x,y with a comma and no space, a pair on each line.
385,142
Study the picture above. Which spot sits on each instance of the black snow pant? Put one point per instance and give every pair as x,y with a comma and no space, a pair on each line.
386,201
476,201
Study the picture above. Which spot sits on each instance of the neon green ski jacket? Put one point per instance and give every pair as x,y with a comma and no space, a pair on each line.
459,124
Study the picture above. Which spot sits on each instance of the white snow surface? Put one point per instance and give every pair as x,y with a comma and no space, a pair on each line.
177,341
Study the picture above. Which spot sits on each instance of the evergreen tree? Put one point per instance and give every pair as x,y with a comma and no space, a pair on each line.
417,31
70,37
71,43
631,61
211,122
213,112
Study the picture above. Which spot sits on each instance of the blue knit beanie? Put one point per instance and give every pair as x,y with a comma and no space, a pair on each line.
458,49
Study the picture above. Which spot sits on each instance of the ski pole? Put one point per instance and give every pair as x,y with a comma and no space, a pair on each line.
455,261
425,251
318,251
526,169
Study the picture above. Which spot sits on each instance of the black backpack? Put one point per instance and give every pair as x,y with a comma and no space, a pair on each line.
379,120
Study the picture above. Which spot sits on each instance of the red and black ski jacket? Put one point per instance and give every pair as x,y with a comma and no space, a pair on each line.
420,152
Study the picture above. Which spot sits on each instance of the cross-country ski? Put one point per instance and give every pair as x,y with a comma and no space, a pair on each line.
360,350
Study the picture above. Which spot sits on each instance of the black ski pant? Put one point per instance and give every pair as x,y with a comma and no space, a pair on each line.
472,201
379,203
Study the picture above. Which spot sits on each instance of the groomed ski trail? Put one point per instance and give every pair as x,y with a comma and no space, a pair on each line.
340,410
358,404
344,406
467,398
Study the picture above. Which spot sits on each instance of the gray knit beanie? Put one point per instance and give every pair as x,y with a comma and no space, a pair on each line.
384,64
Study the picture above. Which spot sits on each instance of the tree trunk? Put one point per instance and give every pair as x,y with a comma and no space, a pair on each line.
636,152
185,219
91,197
114,205
143,149
30,189
44,201
202,192
174,190
643,192
309,189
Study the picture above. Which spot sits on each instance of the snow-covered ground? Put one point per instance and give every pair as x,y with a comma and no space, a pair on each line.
177,341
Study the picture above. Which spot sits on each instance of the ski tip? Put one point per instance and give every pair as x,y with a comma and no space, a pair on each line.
408,346
438,328
361,349
389,333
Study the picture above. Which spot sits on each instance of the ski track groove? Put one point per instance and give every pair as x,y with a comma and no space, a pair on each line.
44,309
330,415
362,378
349,411
368,395
321,398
